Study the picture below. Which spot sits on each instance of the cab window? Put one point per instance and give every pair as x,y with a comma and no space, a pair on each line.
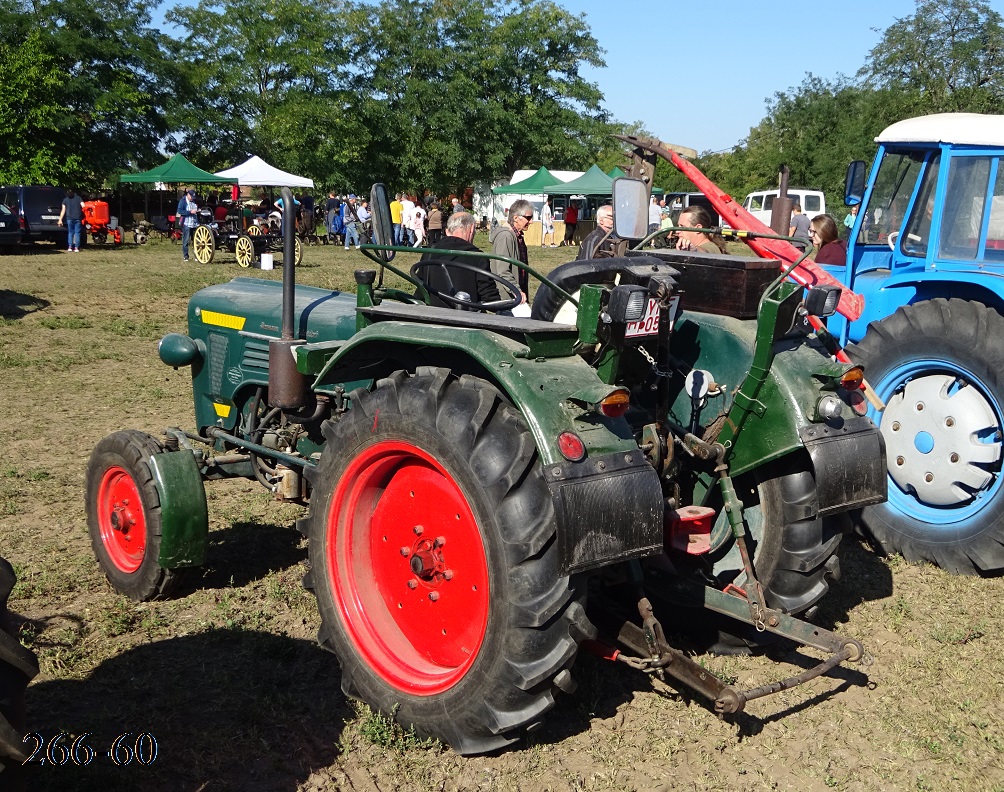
995,228
962,224
917,233
894,184
754,203
811,204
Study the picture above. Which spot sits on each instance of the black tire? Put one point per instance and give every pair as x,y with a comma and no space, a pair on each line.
125,535
483,455
18,666
949,514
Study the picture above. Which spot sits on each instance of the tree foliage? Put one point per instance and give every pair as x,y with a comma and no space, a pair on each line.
948,55
460,91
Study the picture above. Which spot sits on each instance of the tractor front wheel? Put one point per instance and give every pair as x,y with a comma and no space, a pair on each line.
434,561
244,250
123,515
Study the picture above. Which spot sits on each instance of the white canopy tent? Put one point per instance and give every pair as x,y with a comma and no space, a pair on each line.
258,173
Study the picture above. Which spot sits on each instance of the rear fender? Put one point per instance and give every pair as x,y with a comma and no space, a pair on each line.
609,505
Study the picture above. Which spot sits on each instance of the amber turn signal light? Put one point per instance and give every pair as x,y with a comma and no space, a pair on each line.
615,404
853,378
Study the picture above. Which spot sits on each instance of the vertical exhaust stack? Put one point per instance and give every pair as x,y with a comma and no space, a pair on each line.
288,389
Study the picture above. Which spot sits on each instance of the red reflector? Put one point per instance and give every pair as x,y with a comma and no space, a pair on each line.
571,446
616,404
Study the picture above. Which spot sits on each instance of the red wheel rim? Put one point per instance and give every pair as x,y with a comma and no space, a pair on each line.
407,568
121,519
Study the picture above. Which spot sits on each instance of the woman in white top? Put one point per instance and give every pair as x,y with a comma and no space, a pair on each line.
418,224
546,223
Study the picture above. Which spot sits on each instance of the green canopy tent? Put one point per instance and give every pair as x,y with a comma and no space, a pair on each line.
537,184
177,170
592,182
616,173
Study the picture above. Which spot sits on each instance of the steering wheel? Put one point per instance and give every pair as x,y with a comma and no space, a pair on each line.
495,306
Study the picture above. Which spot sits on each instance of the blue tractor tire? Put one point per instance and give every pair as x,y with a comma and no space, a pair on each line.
938,366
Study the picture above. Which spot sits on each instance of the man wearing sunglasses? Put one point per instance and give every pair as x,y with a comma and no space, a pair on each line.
507,240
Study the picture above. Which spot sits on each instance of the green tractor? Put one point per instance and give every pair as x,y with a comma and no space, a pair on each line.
488,494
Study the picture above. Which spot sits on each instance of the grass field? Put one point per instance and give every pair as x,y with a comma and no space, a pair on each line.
228,679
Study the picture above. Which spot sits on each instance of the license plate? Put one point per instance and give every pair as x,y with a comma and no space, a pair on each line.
649,323
50,217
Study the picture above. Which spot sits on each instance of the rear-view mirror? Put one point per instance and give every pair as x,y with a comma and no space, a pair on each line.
854,183
383,227
630,202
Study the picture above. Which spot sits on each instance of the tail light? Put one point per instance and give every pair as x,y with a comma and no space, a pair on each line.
615,404
853,378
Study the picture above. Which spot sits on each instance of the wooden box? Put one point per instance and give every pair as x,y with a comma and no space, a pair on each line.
720,284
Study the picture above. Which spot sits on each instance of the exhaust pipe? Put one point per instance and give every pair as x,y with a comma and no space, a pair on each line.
288,389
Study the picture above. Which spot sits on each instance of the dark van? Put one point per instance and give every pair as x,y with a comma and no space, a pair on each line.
10,231
37,209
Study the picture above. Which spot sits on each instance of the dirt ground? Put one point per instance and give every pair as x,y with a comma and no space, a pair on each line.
226,677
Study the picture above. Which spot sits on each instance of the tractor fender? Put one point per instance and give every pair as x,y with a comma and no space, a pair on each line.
609,504
183,512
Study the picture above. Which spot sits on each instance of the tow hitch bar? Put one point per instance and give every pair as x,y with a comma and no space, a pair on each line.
728,699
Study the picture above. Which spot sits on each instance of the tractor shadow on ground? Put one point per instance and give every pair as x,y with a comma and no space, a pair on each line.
15,305
229,709
244,552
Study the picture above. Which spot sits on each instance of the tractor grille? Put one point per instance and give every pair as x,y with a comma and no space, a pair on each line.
218,344
255,356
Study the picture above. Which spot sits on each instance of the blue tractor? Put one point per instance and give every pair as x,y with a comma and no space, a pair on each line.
927,253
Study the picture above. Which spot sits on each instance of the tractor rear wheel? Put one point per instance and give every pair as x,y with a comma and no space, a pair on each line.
18,666
244,250
938,367
434,561
204,243
123,515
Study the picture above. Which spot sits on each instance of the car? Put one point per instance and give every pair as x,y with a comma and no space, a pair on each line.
10,232
760,204
37,208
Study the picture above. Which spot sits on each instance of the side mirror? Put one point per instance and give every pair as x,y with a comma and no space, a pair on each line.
630,202
854,183
383,228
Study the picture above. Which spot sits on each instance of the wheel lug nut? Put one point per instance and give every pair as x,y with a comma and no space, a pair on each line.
434,595
920,406
448,574
929,478
418,530
954,457
895,426
406,551
412,584
900,460
440,541
949,422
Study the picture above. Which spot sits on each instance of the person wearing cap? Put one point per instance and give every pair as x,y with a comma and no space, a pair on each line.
188,212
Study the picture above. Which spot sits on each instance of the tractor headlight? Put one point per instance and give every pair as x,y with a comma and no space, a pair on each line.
627,304
177,349
822,300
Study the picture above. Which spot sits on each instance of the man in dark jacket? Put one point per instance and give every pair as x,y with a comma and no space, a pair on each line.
459,233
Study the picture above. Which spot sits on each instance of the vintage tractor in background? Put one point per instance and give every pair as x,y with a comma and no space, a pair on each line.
99,223
486,494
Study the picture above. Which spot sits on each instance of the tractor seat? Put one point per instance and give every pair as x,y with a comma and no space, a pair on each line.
516,328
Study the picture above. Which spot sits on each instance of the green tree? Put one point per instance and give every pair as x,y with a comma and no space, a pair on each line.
265,79
460,91
949,55
34,126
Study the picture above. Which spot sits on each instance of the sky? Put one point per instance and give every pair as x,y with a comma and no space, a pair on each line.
700,75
